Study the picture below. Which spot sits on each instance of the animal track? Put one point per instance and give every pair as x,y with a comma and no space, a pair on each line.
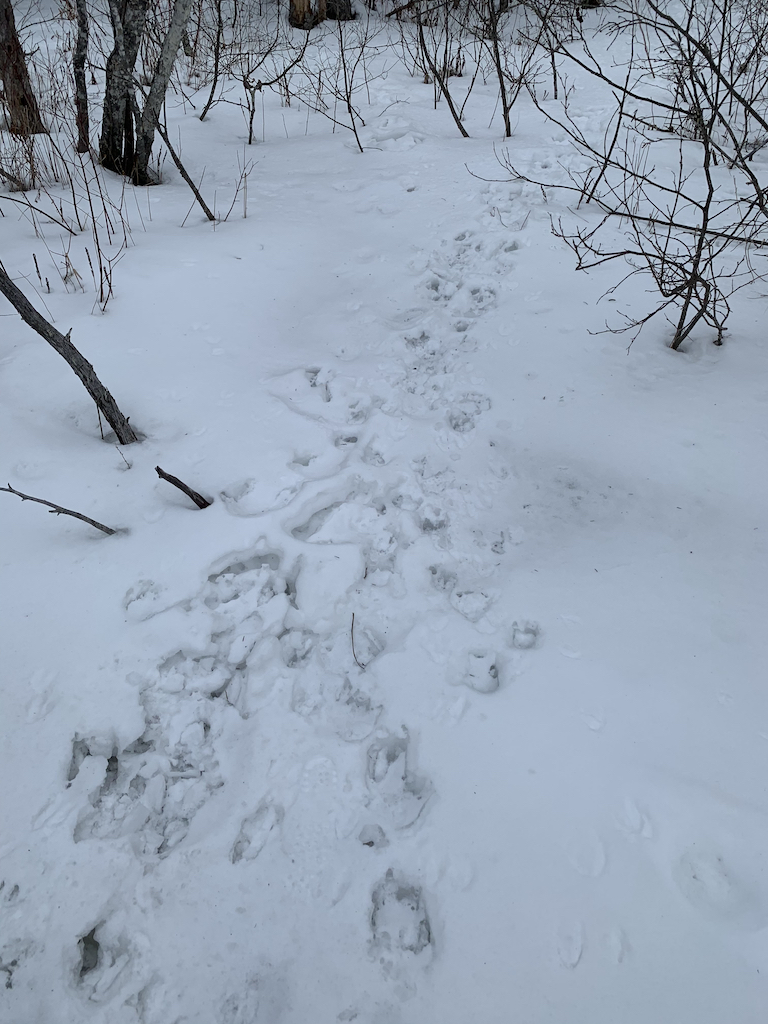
253,497
618,945
296,645
347,514
715,889
143,600
633,822
243,565
472,604
90,953
463,413
346,708
323,395
570,944
307,530
398,793
9,963
254,831
481,671
353,712
153,788
525,635
373,836
109,963
443,579
399,920
14,948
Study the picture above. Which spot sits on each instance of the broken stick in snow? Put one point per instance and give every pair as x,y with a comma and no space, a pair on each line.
198,499
58,510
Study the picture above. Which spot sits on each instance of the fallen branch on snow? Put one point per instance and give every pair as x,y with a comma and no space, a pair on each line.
58,510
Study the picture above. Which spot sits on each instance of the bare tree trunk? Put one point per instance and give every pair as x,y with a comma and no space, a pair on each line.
116,147
23,111
61,343
216,59
145,134
440,79
81,88
303,14
493,25
339,10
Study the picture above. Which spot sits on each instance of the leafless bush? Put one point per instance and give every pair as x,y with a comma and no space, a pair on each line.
340,70
698,82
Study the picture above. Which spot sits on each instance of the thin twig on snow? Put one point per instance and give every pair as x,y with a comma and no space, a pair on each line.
58,510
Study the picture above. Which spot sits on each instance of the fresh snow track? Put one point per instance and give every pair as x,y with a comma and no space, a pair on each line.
446,710
271,633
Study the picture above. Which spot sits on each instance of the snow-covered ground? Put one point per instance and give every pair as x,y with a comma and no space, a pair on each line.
452,707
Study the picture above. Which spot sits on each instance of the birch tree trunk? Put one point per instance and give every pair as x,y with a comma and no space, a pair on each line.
117,146
81,87
145,134
23,112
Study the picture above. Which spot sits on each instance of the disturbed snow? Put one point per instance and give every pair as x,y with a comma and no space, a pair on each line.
451,707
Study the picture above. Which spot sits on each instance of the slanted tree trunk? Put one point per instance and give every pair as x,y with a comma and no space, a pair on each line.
61,343
306,13
145,134
23,112
117,145
81,88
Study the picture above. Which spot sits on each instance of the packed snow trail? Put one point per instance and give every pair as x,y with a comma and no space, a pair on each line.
283,653
401,729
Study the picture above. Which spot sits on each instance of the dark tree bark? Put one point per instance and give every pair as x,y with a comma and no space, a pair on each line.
145,133
198,499
23,112
81,88
117,144
339,10
127,133
304,14
61,343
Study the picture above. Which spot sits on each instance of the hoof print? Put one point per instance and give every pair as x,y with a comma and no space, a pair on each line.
90,953
255,831
399,920
373,837
482,671
399,792
524,636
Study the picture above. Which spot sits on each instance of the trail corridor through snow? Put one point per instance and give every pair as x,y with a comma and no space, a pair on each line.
451,708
